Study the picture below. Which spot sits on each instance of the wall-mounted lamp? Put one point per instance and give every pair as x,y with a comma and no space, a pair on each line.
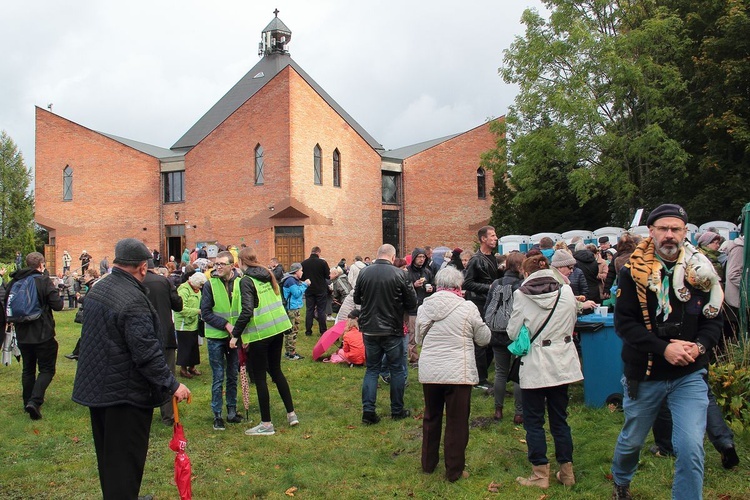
177,216
271,207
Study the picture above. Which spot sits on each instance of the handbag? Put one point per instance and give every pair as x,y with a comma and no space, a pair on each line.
522,349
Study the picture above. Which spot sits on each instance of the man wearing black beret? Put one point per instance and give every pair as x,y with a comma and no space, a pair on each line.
665,353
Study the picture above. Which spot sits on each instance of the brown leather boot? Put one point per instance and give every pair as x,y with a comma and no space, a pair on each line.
539,477
498,414
184,373
565,475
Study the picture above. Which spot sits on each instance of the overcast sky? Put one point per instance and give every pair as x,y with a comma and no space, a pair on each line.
407,71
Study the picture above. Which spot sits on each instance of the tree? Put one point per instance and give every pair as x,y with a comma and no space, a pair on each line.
597,84
715,130
16,202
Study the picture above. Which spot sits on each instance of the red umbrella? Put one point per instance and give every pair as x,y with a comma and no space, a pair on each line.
244,382
182,467
328,338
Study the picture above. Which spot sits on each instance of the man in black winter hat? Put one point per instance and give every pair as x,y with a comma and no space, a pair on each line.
125,376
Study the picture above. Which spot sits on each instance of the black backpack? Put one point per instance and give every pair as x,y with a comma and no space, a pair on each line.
23,302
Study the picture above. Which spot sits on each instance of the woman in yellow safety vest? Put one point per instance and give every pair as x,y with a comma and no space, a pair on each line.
260,327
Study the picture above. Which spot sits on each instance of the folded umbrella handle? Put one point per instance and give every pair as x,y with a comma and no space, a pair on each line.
176,411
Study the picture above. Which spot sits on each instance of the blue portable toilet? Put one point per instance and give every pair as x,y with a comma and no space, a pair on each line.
588,236
728,230
536,238
692,233
613,233
519,242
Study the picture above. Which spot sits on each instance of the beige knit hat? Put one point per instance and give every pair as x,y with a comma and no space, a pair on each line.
561,258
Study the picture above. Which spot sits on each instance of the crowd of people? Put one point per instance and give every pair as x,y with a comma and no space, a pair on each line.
449,321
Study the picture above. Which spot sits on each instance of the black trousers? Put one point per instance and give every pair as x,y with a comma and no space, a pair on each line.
264,356
43,356
316,307
121,436
456,399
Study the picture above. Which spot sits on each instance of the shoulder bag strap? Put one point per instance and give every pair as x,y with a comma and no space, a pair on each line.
559,292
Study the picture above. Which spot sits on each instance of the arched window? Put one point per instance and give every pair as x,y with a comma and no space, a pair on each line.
481,184
336,168
317,170
67,183
258,164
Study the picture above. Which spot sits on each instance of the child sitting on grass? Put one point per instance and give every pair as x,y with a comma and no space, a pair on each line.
353,351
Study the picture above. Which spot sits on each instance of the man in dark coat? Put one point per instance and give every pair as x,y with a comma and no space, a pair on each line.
666,345
481,271
36,339
122,374
163,296
317,271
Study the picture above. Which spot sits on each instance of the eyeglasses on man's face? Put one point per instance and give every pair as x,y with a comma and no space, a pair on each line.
667,229
221,264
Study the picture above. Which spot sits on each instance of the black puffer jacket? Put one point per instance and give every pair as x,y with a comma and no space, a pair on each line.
384,293
586,262
42,329
121,359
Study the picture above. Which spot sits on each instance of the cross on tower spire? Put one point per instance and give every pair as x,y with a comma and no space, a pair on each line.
276,12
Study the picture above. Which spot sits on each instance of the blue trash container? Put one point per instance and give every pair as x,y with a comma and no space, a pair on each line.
602,365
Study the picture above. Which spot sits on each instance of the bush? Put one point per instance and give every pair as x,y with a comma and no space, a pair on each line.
729,378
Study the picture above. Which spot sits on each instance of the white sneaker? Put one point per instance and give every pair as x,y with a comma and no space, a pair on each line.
292,419
261,430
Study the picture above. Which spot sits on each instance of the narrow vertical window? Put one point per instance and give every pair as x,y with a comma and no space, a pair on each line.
174,186
336,168
67,183
258,164
317,170
481,185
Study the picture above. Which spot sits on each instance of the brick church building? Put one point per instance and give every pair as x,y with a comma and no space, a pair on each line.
275,164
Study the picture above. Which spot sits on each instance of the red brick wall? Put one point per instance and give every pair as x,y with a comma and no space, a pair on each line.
441,206
354,207
288,118
115,189
220,191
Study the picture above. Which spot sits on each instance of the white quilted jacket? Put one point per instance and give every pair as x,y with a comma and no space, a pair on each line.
447,355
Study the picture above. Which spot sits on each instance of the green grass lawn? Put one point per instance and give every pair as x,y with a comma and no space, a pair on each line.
330,454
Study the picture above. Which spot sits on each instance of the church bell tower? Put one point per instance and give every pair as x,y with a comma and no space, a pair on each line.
274,37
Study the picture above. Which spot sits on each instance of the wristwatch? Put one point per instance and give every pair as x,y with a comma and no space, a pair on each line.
701,348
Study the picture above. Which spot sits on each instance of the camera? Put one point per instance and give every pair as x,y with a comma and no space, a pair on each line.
668,330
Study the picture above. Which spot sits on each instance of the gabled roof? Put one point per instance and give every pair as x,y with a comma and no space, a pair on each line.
263,72
155,151
277,25
407,151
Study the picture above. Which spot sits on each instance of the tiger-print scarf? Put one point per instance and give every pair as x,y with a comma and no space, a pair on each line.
645,269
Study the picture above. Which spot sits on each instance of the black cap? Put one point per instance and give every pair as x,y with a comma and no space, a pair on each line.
667,210
130,252
603,239
354,314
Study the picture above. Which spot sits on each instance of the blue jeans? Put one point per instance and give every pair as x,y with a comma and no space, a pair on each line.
719,433
222,359
556,401
393,348
687,400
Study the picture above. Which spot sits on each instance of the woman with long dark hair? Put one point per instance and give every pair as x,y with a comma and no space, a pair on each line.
261,325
